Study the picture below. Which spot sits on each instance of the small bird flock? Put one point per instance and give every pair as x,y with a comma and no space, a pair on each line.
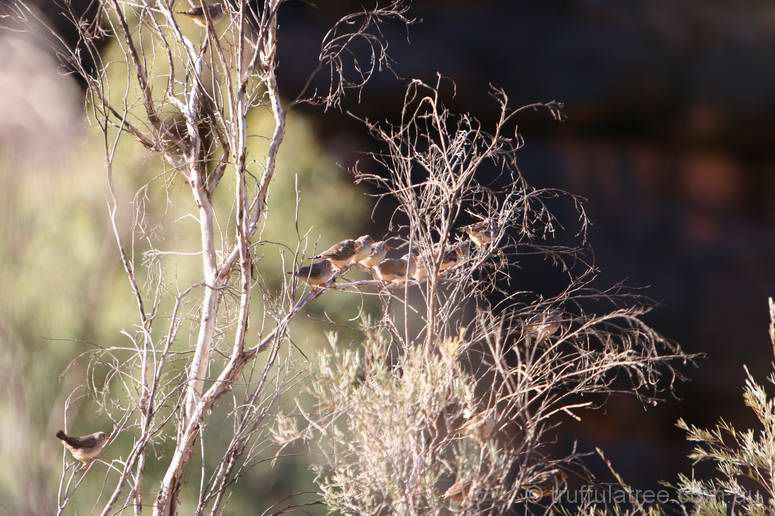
371,255
363,252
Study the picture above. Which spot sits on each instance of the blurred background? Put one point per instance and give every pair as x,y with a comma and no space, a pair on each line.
670,111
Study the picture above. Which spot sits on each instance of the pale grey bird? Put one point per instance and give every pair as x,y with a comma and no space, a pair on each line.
419,271
481,233
85,448
347,251
363,246
394,269
455,255
316,274
377,253
546,326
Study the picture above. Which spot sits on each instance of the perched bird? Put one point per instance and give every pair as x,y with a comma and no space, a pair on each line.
457,492
347,251
486,426
377,253
85,448
316,274
420,271
548,325
197,14
455,255
482,425
480,233
173,133
394,269
363,245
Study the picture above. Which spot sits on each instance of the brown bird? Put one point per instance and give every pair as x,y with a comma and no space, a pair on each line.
316,274
377,252
480,233
394,269
197,14
363,246
420,270
457,492
548,325
347,251
485,426
85,448
455,255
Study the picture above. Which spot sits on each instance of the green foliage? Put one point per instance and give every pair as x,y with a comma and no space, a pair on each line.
744,460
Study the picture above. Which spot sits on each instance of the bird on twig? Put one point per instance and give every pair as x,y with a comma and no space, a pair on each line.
394,269
458,491
347,251
315,275
481,233
546,326
419,271
197,14
85,448
377,253
455,255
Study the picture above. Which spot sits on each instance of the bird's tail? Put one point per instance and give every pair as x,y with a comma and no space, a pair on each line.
63,436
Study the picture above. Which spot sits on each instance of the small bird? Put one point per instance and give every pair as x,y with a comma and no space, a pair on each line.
197,14
486,426
347,251
85,448
173,133
481,426
457,492
394,269
480,233
363,244
420,270
455,255
548,325
316,274
377,253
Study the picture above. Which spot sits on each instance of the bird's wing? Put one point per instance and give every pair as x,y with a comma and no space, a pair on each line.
341,250
86,441
303,271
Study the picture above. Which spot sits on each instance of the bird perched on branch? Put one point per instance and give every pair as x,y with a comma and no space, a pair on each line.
545,327
481,233
347,251
394,269
85,448
455,255
377,253
363,246
197,14
458,491
419,271
316,274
